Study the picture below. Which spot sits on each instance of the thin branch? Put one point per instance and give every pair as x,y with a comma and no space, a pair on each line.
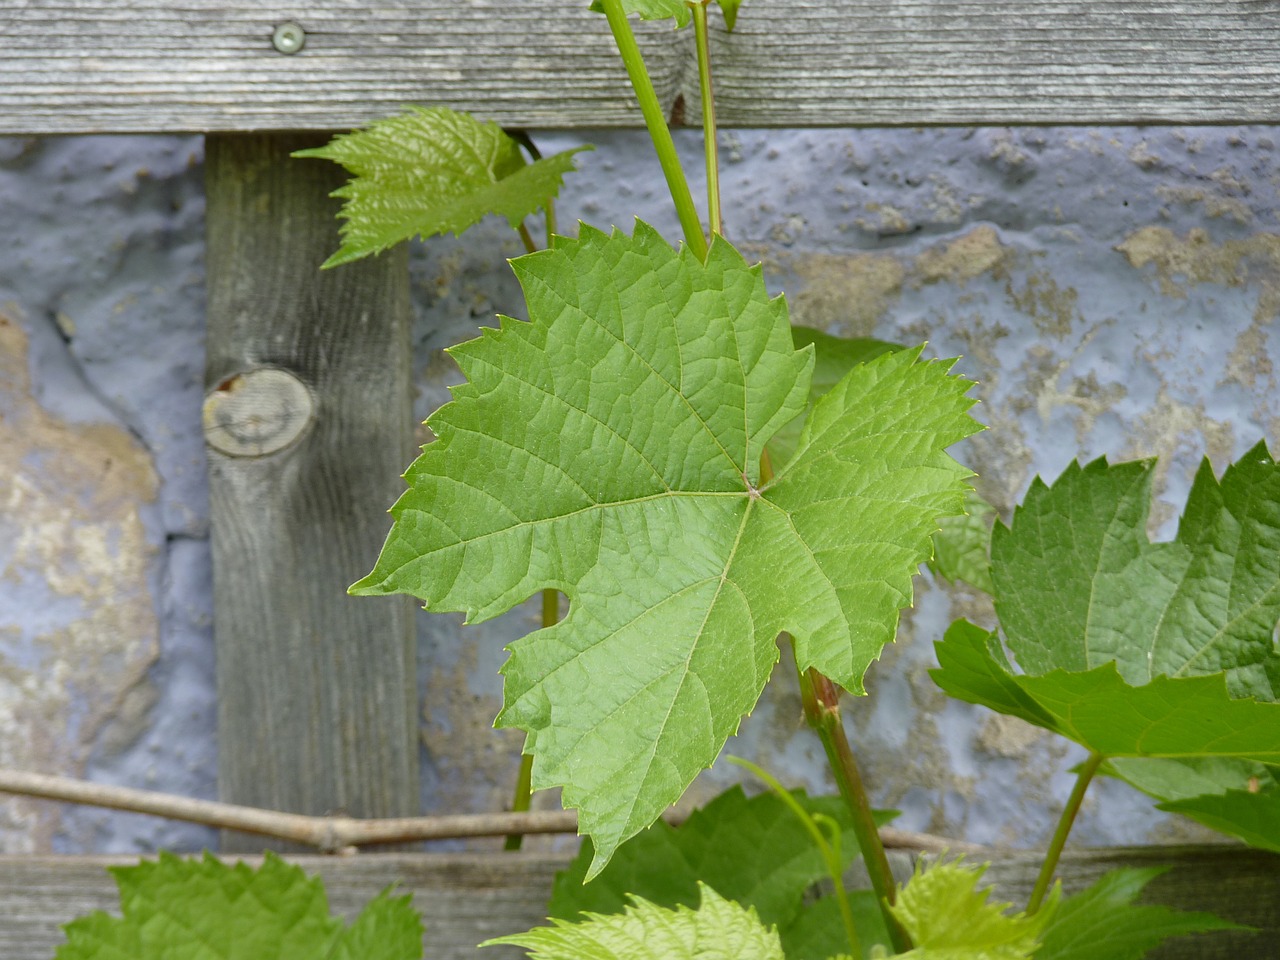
328,834
341,834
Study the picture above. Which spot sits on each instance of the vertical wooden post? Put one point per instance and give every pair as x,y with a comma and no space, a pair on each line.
308,423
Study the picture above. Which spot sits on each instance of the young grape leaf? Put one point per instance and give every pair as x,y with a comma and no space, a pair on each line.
1103,923
753,851
962,545
834,357
717,930
181,908
1168,717
610,448
1077,583
656,9
433,170
949,918
1253,817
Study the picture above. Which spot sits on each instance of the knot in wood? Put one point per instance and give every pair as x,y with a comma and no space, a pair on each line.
257,413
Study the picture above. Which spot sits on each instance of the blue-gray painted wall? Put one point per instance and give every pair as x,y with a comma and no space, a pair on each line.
1113,291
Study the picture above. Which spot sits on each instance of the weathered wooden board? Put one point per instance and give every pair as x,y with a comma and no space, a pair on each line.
316,690
80,66
467,898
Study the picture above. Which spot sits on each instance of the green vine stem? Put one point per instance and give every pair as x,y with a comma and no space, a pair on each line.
524,778
830,850
657,126
821,700
709,144
1065,822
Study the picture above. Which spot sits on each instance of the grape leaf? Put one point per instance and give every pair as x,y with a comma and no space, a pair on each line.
717,930
834,357
1160,656
948,918
433,170
178,908
962,545
817,932
753,851
1195,788
1103,923
610,448
1077,583
1168,717
656,9
1253,817
1183,779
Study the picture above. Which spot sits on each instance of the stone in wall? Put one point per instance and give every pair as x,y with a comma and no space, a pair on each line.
78,626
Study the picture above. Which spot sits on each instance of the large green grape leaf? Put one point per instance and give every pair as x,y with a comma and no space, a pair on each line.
754,851
610,448
948,918
717,929
196,909
433,170
1172,717
1077,583
1102,922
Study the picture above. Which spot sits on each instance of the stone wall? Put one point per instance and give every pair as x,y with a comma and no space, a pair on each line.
1113,291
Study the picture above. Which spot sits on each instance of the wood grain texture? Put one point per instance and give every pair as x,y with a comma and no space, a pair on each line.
466,898
84,66
316,690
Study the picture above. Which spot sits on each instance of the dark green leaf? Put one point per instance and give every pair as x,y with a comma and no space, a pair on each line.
1182,717
817,933
753,851
1077,584
1253,817
1102,922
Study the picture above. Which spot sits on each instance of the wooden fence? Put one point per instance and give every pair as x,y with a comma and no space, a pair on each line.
317,709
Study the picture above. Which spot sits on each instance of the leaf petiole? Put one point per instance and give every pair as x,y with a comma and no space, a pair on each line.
820,698
709,145
524,779
1059,841
656,124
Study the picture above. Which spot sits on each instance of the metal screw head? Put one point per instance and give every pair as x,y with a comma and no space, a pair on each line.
288,38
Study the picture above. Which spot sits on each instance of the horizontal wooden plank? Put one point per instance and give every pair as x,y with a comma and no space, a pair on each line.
466,898
82,66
